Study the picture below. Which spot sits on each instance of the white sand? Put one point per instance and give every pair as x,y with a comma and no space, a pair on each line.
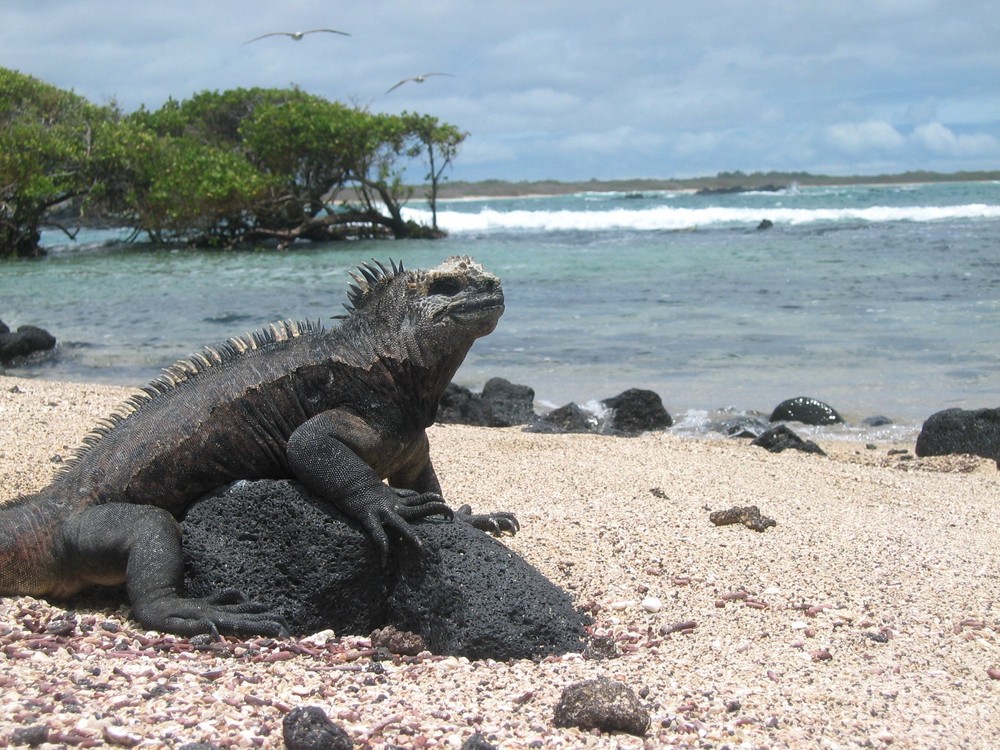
898,559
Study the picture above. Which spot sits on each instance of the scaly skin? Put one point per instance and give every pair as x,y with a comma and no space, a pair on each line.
339,410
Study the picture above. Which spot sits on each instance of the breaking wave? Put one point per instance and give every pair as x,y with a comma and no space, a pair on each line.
489,219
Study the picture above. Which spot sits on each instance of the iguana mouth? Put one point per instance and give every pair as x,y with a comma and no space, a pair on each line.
478,305
482,309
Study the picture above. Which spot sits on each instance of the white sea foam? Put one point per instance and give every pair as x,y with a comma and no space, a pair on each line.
490,220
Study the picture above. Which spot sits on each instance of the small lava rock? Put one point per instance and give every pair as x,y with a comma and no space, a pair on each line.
32,736
748,515
477,742
27,340
397,641
568,418
309,728
961,431
780,438
602,704
601,647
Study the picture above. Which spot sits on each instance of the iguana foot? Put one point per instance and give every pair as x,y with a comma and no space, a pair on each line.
397,509
497,524
227,612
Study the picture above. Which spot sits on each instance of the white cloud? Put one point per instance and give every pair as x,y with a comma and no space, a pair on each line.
860,137
942,141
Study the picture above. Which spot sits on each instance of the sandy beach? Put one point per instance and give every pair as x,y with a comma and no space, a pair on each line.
868,617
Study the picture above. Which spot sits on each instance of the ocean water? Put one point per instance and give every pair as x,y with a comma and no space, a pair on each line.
878,300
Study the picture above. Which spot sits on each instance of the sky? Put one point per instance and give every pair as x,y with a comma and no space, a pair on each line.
589,89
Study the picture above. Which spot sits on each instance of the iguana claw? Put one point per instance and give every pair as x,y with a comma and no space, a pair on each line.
497,524
397,511
227,612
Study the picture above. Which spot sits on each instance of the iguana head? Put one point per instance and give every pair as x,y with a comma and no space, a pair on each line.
431,313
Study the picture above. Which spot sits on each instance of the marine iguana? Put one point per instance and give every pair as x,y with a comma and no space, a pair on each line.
339,410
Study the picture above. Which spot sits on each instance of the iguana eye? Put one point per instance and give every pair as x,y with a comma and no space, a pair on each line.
447,286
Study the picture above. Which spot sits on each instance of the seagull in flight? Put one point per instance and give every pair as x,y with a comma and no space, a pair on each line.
297,35
417,79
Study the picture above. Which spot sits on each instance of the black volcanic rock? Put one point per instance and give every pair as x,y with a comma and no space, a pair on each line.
309,728
501,404
26,340
961,431
805,410
467,595
568,418
637,410
780,438
508,404
459,405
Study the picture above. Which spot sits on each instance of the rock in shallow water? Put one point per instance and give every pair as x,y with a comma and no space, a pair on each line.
637,410
468,596
566,419
25,341
806,410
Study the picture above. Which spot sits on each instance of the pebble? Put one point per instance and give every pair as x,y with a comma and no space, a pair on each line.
652,604
604,704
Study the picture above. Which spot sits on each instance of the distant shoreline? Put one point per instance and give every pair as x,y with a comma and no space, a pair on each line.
722,181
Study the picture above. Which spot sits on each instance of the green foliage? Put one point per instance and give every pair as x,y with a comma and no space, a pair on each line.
218,169
49,140
305,154
178,188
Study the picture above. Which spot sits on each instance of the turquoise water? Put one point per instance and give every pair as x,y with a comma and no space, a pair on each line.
877,300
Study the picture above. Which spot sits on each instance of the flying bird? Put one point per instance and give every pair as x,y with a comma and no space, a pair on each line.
417,79
296,35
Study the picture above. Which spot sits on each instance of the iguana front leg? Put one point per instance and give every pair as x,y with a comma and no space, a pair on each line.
141,545
334,455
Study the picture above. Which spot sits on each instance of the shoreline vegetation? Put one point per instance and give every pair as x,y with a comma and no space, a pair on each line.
723,182
217,170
